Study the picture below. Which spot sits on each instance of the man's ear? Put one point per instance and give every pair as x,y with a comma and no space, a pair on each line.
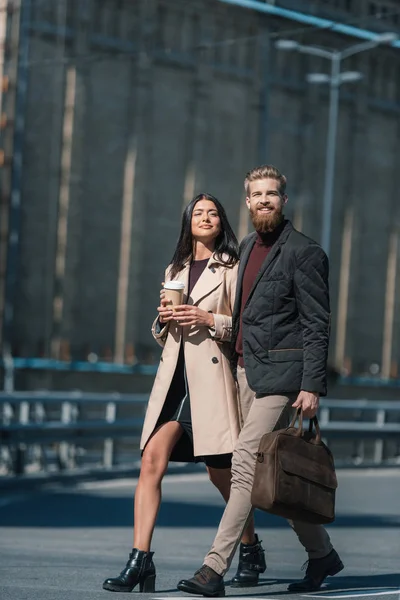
285,198
248,202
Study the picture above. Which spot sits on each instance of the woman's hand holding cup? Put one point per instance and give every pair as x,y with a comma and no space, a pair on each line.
162,292
165,312
170,296
188,315
165,309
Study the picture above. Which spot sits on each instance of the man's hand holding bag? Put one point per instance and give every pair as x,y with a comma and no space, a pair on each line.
295,474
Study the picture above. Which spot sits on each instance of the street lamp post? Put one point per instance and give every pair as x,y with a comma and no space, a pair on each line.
335,80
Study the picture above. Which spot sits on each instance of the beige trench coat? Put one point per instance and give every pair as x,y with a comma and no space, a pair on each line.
212,389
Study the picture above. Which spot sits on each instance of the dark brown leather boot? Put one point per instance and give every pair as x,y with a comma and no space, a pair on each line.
205,582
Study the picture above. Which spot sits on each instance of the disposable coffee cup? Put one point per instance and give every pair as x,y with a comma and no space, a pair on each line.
174,292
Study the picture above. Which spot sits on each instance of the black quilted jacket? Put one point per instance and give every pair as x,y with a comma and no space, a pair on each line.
286,318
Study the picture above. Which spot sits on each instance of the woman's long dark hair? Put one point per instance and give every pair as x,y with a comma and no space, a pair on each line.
225,243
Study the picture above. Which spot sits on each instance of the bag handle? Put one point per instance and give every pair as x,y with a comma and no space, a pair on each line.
313,423
297,415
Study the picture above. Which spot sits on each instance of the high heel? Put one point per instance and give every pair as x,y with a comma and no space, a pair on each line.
148,585
139,569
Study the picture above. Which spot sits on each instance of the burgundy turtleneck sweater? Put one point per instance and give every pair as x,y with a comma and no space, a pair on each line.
259,252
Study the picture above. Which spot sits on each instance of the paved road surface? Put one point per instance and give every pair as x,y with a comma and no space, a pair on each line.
60,543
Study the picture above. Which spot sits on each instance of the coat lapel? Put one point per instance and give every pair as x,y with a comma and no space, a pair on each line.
207,282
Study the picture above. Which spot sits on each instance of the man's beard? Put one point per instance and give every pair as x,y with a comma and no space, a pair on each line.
265,223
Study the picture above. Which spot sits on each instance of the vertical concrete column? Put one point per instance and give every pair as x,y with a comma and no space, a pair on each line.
307,181
137,183
63,210
14,57
391,329
347,336
199,117
5,170
56,122
341,321
257,130
71,185
390,304
80,152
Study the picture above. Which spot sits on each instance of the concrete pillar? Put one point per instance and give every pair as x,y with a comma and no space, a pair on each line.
74,152
133,321
198,117
357,345
8,69
56,120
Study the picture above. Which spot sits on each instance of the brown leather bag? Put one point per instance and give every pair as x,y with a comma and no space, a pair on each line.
295,474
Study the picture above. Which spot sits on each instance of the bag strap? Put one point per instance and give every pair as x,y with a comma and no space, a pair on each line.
313,423
297,415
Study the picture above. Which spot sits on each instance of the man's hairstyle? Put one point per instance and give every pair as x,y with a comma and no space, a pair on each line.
265,172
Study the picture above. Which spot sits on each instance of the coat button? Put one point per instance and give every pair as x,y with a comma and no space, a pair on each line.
214,360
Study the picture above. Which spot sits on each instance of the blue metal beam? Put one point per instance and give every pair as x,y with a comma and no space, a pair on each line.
317,22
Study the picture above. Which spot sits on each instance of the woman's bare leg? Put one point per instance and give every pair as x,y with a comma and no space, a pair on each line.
148,492
221,478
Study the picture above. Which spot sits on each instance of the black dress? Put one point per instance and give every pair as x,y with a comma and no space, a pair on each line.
177,402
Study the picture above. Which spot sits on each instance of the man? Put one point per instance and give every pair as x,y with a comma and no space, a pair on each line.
280,335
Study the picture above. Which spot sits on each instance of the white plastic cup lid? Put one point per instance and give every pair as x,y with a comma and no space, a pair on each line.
174,285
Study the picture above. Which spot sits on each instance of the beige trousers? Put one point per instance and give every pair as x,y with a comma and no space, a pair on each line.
260,416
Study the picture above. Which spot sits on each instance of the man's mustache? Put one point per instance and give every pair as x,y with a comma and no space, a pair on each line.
264,206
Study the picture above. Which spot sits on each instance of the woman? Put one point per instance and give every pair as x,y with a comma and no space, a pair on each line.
193,412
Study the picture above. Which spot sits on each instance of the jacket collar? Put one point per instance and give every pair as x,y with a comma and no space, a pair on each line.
272,254
275,250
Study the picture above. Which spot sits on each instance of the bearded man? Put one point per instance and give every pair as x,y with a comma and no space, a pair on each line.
280,347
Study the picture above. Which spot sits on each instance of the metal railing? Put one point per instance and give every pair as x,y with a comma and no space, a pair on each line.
41,430
11,365
48,431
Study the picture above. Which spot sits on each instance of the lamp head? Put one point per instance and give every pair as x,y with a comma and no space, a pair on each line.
286,44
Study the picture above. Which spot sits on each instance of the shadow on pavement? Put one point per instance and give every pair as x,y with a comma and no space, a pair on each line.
367,584
87,510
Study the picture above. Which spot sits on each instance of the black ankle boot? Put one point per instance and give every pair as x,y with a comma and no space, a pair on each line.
318,569
251,564
139,569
